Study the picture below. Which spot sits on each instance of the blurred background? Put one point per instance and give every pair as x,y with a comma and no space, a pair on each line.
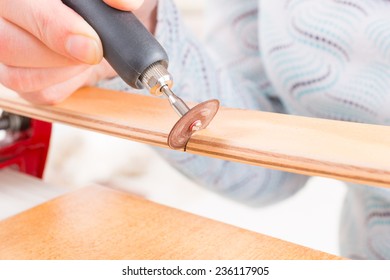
79,158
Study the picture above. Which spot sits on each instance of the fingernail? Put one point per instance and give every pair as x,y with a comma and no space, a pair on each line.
128,5
84,49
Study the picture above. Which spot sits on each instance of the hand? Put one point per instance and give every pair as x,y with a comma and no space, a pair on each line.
47,51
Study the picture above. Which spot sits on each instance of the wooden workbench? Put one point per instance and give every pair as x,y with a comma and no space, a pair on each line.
100,223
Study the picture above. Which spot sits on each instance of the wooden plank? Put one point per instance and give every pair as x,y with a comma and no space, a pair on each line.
347,151
99,223
19,192
342,150
139,118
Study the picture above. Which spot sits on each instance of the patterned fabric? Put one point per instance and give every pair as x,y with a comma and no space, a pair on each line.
317,58
329,59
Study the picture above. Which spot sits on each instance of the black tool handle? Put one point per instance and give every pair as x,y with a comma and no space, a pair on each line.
127,45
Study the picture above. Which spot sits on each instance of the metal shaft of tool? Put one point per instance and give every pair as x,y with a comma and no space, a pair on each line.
177,103
157,80
180,107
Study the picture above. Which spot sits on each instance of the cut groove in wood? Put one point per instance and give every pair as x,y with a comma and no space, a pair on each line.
99,223
342,150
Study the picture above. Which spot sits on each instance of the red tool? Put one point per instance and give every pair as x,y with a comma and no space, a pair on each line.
25,144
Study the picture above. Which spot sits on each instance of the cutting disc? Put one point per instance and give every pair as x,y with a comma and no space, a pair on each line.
183,129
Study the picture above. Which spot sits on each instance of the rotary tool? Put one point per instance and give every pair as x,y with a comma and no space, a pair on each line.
142,62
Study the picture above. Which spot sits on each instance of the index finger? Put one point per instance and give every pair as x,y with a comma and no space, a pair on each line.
57,26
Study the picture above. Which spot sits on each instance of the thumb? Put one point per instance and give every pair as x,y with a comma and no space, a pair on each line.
57,26
125,5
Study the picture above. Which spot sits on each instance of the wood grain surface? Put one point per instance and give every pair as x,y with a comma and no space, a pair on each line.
19,192
347,151
99,223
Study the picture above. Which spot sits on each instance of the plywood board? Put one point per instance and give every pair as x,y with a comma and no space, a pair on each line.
19,192
99,223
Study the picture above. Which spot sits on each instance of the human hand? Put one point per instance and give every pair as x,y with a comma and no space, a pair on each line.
47,51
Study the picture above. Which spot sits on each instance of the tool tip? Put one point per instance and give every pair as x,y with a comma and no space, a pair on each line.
194,120
196,126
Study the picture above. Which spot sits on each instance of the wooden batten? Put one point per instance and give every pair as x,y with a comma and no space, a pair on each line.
347,151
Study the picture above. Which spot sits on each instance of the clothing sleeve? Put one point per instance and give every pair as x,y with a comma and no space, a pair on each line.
226,66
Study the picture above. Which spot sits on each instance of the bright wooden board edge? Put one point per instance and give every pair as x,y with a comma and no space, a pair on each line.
347,151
